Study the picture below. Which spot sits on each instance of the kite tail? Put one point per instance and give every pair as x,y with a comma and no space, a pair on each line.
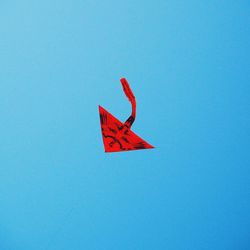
128,92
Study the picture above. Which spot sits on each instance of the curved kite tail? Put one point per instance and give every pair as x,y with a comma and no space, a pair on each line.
129,93
127,90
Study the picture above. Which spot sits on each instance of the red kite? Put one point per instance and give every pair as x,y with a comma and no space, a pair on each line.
118,136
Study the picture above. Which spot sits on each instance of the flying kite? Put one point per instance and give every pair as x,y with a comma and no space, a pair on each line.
118,136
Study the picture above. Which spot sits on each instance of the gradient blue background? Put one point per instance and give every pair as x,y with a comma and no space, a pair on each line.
188,64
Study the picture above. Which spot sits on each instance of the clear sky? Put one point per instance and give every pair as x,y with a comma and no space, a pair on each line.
188,65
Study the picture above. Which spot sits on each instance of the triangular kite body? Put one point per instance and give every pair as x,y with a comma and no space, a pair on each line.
118,136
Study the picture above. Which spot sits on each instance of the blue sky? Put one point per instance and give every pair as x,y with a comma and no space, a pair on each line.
188,65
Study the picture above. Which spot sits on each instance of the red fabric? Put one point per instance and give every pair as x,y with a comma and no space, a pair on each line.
118,137
128,92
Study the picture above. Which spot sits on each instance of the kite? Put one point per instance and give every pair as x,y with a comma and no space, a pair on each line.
118,136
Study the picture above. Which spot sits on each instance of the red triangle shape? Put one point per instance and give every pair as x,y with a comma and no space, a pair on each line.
117,137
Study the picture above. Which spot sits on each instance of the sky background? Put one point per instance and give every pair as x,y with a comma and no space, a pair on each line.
188,65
